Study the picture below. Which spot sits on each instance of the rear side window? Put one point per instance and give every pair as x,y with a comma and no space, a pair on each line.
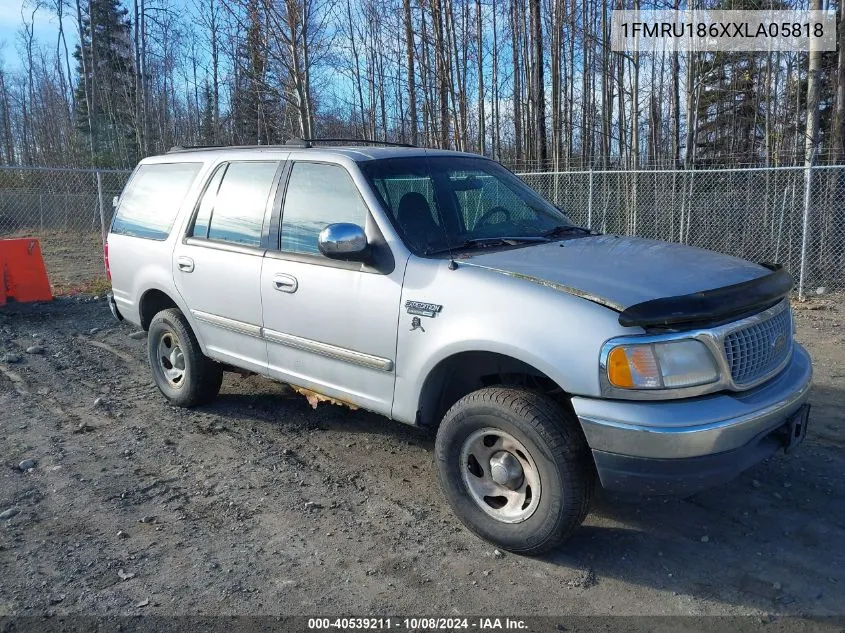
233,206
149,205
200,228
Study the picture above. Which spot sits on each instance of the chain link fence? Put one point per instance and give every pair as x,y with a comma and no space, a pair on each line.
756,214
67,210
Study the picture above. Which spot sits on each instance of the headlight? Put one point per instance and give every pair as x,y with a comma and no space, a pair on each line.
665,365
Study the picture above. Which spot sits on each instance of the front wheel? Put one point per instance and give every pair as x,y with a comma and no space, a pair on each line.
515,468
185,375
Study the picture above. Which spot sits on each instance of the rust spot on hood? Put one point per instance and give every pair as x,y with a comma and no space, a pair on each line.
576,292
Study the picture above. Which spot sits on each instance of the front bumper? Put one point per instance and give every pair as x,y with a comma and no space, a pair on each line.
681,441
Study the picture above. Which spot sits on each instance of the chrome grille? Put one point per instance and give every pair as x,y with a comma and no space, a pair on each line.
758,350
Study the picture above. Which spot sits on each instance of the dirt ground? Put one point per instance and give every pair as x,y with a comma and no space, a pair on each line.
258,504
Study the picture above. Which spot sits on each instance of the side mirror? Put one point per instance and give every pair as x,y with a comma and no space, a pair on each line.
344,241
114,202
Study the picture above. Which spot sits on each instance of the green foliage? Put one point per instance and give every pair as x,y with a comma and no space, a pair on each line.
255,100
207,132
105,91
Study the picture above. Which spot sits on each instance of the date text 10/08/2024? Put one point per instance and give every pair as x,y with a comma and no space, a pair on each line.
418,623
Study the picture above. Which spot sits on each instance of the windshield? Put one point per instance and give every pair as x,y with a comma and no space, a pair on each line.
443,202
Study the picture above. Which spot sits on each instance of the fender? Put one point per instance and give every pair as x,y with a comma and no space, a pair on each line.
546,331
180,303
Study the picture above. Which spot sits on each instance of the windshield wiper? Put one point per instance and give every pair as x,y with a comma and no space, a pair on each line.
484,242
563,229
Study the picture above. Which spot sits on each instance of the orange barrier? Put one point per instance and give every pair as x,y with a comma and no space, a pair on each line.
24,277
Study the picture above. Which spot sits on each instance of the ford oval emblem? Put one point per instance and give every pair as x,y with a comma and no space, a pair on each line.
778,343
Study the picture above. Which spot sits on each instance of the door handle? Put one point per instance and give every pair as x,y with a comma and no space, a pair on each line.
285,283
185,264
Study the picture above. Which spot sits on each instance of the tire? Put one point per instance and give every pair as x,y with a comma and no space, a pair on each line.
552,455
186,376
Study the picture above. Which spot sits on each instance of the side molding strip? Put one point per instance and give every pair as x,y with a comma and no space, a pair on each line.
297,342
228,324
331,351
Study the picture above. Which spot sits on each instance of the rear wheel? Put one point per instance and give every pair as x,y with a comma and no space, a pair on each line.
515,468
185,375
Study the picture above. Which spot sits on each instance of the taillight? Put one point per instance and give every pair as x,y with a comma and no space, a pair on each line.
106,258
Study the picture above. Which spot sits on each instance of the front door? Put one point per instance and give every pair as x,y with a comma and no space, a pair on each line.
217,267
330,325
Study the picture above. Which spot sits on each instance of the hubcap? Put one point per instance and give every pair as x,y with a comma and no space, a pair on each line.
506,470
500,475
171,359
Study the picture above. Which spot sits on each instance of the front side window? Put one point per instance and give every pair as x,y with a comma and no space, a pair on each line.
410,199
445,201
317,195
233,205
152,199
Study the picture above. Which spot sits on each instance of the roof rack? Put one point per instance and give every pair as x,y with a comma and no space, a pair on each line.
309,142
199,148
292,142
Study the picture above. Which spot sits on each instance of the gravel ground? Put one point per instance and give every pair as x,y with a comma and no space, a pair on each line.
258,504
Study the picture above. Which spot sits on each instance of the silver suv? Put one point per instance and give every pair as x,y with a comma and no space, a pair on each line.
437,289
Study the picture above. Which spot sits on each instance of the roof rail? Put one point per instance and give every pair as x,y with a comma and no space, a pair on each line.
199,148
292,142
309,142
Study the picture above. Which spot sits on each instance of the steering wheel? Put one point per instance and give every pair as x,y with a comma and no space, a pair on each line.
494,211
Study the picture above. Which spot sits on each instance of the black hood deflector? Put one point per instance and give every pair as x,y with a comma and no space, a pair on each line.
711,305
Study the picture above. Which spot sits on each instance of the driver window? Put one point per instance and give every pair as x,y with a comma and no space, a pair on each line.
318,194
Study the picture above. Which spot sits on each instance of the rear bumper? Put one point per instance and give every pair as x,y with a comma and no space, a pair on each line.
679,446
113,307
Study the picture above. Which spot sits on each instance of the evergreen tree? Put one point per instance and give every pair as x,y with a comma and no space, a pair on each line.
105,91
731,108
207,135
255,103
733,99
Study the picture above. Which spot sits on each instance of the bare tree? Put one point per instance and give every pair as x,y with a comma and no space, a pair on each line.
412,80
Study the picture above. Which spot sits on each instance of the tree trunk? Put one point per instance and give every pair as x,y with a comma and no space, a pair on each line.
810,143
839,115
517,88
412,83
482,136
442,73
539,90
495,138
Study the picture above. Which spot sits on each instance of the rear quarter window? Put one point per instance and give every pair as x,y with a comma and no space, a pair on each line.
151,201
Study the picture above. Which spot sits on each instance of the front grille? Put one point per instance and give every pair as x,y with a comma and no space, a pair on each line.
754,352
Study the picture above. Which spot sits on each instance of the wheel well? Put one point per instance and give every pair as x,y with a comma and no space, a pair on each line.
463,373
153,302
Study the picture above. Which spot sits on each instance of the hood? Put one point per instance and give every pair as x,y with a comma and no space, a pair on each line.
620,272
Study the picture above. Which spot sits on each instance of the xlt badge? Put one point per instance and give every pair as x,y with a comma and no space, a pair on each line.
422,309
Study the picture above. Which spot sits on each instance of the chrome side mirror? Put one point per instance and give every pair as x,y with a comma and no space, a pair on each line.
344,241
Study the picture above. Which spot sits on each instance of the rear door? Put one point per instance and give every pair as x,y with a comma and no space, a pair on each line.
217,265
